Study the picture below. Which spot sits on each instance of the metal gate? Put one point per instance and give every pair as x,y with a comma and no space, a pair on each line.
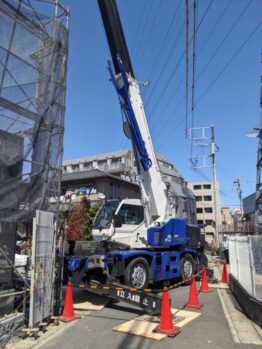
43,265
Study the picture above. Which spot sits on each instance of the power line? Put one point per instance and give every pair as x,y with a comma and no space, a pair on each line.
140,40
225,38
198,53
180,59
229,62
166,61
214,27
165,41
215,80
150,33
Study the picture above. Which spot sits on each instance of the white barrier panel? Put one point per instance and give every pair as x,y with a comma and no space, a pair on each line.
245,255
233,265
256,249
244,264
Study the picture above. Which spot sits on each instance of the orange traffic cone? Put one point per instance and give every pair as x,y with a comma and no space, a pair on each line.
224,279
68,313
193,297
166,325
204,283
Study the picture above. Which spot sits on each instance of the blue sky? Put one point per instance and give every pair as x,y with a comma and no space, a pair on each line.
93,119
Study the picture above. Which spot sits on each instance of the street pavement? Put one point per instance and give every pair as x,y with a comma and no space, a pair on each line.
94,329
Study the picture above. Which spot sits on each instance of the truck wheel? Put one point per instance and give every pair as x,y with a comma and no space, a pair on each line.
187,267
137,273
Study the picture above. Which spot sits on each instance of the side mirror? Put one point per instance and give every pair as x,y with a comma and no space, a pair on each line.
117,221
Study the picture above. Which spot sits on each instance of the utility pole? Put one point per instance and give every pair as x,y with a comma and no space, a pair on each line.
204,137
239,191
213,157
258,203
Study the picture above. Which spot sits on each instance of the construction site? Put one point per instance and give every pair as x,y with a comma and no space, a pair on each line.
105,247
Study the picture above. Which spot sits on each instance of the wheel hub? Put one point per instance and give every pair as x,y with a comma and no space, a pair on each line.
188,269
138,276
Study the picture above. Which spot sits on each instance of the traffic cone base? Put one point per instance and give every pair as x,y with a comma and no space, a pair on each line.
224,279
169,333
204,282
68,312
193,297
64,319
206,291
196,306
166,325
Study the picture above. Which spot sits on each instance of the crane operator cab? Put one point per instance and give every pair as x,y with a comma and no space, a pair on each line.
121,221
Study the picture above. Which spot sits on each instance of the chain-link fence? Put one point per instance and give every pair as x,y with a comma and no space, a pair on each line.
245,255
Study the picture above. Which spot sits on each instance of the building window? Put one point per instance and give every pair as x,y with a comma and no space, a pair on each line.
207,198
197,187
87,165
209,222
198,198
200,221
115,162
75,167
101,164
65,169
207,186
199,210
208,210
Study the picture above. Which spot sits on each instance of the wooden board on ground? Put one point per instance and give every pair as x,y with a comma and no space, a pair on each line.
143,326
222,286
90,301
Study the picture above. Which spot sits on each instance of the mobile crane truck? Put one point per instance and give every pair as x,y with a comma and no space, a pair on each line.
139,242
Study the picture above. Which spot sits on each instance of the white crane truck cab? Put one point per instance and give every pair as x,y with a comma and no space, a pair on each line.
122,222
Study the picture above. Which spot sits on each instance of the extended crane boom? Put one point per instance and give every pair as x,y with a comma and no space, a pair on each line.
153,189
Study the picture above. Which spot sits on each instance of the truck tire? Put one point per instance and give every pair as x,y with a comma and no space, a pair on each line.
187,267
137,273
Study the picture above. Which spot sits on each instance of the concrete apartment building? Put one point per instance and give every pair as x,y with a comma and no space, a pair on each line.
204,194
226,216
119,172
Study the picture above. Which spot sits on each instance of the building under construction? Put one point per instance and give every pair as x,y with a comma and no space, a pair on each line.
33,63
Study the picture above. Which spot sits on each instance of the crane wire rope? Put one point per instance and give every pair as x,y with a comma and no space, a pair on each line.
193,72
187,24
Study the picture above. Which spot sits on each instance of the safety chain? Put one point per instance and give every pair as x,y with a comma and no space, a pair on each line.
148,290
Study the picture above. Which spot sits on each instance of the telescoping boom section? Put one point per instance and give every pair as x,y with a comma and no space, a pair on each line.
153,188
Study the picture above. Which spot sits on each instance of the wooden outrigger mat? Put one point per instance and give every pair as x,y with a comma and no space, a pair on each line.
219,285
143,326
94,302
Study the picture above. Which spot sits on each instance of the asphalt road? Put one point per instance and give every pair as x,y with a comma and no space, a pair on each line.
94,329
